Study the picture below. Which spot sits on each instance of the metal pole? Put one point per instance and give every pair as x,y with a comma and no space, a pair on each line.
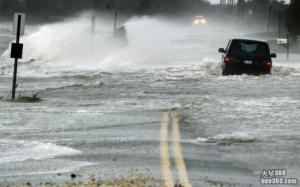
16,60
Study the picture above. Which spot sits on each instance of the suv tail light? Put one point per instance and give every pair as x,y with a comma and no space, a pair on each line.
267,63
229,60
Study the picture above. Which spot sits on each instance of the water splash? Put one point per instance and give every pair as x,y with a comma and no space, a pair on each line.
154,43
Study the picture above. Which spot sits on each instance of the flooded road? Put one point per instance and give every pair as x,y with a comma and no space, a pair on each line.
108,117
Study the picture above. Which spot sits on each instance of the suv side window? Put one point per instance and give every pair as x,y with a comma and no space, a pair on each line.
227,47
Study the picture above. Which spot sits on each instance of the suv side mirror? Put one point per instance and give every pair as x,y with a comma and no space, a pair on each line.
222,50
273,55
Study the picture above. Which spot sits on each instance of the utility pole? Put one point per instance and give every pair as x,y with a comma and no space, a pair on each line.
241,11
230,7
223,7
280,19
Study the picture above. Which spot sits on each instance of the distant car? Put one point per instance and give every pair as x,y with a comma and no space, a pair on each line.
246,56
200,20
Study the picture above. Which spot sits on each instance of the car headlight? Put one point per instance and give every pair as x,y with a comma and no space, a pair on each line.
203,21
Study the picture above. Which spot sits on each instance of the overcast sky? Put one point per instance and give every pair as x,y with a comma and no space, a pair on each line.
214,1
217,1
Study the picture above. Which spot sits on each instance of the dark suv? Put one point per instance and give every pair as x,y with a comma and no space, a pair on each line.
246,56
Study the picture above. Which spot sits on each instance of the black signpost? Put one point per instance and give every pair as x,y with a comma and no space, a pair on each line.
16,53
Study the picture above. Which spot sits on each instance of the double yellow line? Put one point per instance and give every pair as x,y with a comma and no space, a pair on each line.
177,150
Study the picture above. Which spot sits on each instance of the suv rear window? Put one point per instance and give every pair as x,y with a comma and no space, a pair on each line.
249,48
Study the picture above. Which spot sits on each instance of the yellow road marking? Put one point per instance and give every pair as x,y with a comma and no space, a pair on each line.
164,151
183,176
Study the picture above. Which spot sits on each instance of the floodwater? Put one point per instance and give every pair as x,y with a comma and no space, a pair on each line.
102,105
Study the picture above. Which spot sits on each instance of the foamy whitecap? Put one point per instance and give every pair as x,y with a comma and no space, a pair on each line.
286,69
19,150
200,139
233,138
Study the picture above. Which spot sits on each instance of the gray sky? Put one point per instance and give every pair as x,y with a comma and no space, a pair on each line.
217,1
214,1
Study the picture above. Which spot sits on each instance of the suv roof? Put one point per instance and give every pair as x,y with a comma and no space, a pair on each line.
250,40
199,16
